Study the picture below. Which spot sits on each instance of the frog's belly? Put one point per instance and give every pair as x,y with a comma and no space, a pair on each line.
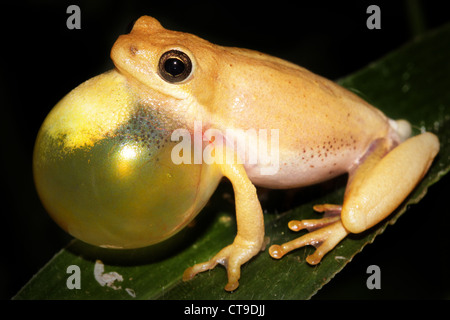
294,163
283,164
299,171
290,167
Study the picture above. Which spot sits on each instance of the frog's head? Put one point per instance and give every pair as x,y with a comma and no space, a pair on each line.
178,65
102,161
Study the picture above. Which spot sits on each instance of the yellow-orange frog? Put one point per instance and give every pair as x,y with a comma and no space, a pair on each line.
120,161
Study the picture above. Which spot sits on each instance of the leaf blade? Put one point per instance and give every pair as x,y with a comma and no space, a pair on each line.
407,79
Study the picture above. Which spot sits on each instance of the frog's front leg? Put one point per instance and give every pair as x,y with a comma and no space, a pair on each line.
250,229
375,189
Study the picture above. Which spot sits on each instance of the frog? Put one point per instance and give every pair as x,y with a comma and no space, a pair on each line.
104,159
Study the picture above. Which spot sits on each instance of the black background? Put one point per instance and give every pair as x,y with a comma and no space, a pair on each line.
42,60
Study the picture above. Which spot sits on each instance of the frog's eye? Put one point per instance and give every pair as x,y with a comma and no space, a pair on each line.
174,66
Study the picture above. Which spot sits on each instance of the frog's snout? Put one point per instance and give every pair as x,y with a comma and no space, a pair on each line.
103,170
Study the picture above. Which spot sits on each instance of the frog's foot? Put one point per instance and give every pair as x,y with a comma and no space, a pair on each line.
328,232
232,257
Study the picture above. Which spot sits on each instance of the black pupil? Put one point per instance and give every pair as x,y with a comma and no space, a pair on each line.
174,66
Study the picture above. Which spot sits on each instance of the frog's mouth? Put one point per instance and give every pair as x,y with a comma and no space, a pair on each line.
103,170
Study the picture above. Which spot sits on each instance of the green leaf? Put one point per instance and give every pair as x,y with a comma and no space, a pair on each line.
408,83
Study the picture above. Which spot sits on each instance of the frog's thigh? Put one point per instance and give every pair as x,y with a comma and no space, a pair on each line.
373,195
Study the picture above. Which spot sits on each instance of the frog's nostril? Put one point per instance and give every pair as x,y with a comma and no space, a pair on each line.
133,49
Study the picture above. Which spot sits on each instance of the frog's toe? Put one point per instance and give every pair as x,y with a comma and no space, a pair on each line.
220,257
328,209
232,257
312,224
329,232
191,272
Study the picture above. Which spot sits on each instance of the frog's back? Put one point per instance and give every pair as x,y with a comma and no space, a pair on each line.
323,128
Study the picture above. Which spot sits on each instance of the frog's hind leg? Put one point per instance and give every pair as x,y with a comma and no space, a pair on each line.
327,232
381,180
